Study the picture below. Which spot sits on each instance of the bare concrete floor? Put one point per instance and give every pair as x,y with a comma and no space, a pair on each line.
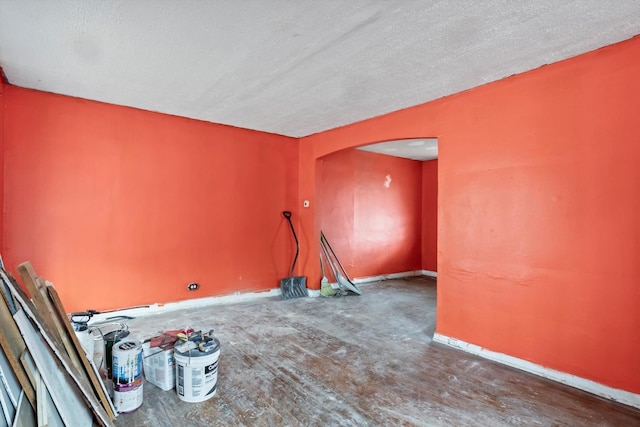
357,361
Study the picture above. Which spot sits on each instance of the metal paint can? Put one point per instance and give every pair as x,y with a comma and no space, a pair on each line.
109,341
127,375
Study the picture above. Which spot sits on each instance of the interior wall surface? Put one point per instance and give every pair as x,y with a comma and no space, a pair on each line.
122,207
370,211
430,215
538,232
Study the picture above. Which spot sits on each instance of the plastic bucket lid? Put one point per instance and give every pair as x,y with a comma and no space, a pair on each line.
195,353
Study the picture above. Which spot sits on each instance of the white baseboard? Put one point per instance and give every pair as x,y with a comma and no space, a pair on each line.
621,396
190,303
429,273
313,293
401,275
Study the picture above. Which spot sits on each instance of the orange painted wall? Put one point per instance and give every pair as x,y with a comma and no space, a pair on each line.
430,215
539,232
373,228
122,207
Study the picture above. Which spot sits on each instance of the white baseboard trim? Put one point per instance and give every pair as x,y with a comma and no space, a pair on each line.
190,303
429,273
621,396
314,293
401,275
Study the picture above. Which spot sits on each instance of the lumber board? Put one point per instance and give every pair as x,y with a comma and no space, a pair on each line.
37,288
61,356
13,346
25,417
28,276
96,382
33,285
58,324
47,414
9,380
19,372
41,398
66,397
29,367
7,409
6,294
8,298
10,332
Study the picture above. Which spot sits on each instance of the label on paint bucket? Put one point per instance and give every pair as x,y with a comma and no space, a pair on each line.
127,375
110,339
127,399
197,374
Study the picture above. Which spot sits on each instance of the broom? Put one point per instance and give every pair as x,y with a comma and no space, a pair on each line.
326,290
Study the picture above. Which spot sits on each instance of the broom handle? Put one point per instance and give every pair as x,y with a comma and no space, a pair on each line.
323,237
326,254
287,215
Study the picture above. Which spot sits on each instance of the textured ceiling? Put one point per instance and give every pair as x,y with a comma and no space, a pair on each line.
415,149
292,67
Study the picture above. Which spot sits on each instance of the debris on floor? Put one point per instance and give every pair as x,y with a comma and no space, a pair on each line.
64,370
47,376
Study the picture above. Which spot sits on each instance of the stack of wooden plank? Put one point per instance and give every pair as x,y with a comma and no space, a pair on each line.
46,379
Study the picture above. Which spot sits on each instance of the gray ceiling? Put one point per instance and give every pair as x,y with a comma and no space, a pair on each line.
414,149
292,67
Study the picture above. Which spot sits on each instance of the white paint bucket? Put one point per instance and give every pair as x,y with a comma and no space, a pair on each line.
86,339
127,375
197,373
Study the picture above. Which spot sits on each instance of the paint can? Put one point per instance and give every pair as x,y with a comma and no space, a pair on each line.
197,373
86,338
110,339
127,375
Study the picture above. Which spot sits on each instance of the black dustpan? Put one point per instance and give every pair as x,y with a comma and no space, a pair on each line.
293,286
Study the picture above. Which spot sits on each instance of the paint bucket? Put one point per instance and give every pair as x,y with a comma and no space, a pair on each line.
127,375
110,339
86,338
197,373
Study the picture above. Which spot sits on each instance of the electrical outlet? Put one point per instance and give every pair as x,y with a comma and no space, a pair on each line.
193,286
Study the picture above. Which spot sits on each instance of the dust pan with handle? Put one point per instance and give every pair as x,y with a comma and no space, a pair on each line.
293,286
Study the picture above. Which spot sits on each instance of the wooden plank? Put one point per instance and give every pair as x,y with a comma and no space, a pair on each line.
47,414
29,367
28,276
41,398
66,397
8,411
18,370
9,380
96,382
25,417
59,326
61,356
8,299
13,346
10,332
35,286
6,294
